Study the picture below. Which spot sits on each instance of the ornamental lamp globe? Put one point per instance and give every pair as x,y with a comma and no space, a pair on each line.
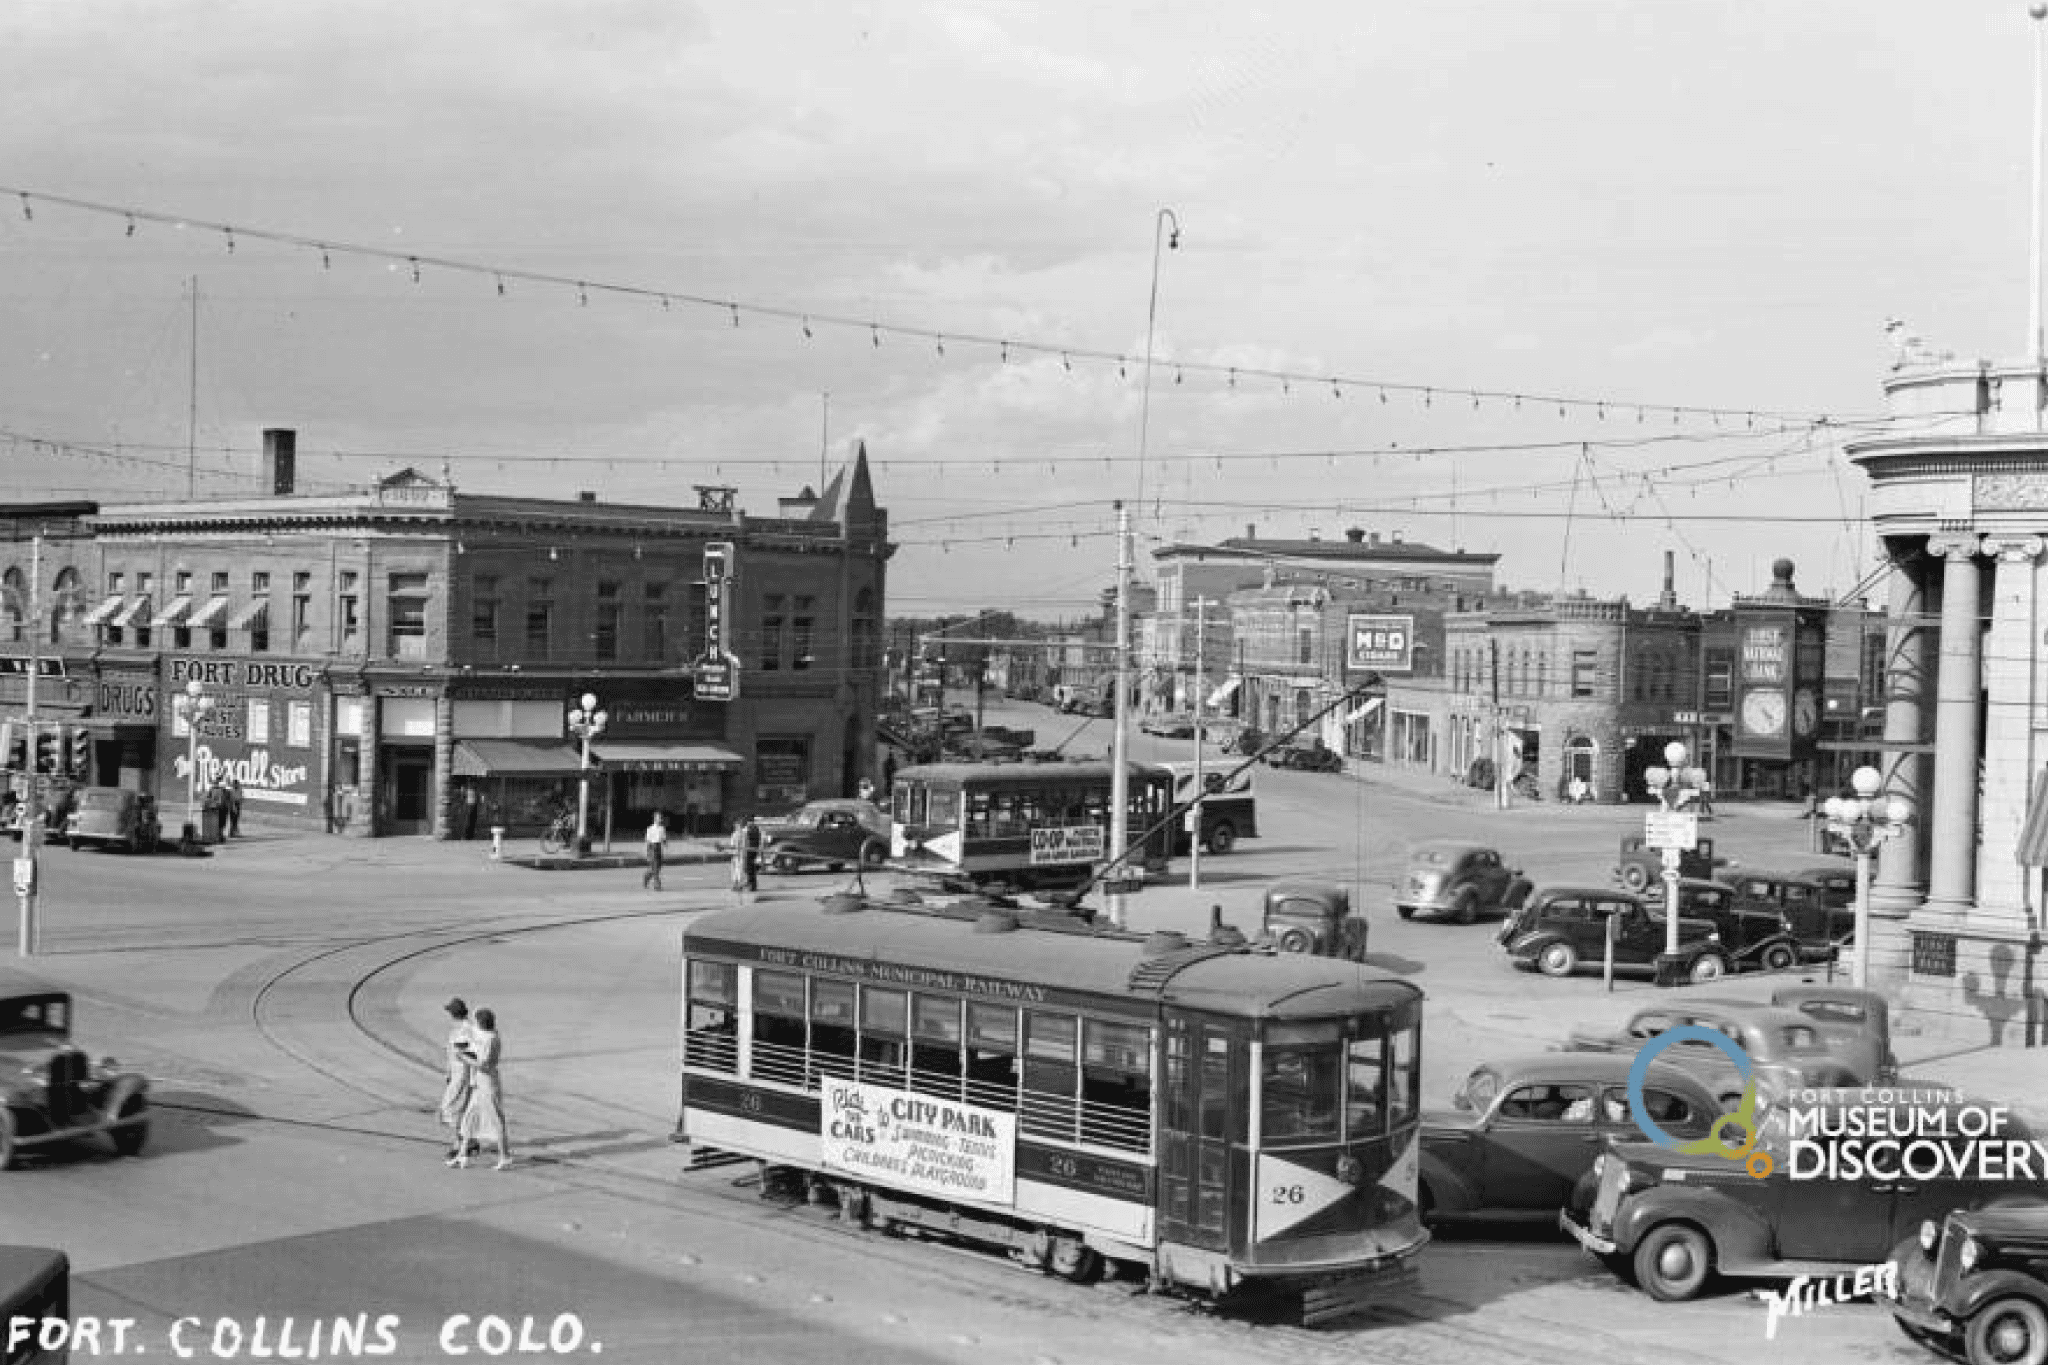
1675,754
1866,780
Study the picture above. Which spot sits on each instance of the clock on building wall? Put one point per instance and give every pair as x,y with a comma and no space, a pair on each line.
1763,712
1805,713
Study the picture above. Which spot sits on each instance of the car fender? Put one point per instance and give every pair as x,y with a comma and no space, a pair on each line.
1453,1192
123,1090
1975,1291
1533,943
1738,1234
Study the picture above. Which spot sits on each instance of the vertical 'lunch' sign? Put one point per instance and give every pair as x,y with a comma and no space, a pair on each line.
717,669
919,1142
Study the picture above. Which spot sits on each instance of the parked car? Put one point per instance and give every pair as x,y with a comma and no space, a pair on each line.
1558,929
115,817
1457,880
1313,917
1229,812
1638,866
1786,1049
1749,936
50,1092
1675,1219
57,802
1854,1024
1313,757
1524,1131
1819,923
1169,724
1972,1284
832,833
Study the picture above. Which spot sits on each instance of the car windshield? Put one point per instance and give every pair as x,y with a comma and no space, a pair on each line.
1834,1011
38,1015
807,818
1434,856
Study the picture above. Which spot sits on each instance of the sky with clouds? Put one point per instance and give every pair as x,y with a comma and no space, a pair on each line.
1648,211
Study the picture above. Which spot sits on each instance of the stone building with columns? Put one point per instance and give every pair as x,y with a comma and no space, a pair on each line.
1960,501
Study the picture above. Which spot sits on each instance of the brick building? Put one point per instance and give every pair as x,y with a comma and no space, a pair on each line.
402,660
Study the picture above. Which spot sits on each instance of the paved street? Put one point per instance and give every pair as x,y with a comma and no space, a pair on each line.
285,997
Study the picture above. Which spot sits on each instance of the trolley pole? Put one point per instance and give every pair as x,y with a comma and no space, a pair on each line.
25,888
1119,776
1195,810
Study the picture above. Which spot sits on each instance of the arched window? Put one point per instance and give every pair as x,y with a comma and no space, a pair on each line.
66,602
13,602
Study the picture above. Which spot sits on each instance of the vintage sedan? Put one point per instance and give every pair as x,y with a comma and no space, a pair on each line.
1522,1134
1811,911
1976,1284
115,817
50,1091
1853,1023
829,833
1559,929
1675,1220
1785,1048
1746,937
1452,879
1639,867
1313,917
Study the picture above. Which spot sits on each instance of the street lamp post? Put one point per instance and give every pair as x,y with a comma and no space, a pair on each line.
586,722
1675,786
190,708
1865,822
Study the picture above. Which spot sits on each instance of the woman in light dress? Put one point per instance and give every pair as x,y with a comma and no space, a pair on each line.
483,1120
455,1096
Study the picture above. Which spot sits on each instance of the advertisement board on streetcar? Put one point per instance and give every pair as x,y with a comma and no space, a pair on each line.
919,1142
1066,844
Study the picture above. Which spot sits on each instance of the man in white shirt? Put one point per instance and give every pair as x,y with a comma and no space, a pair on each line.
657,845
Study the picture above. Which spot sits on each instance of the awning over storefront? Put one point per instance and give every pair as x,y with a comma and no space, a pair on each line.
99,615
246,618
494,757
215,608
2032,850
674,757
129,613
173,613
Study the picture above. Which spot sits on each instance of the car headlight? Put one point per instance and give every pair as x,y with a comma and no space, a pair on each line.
1930,1233
1967,1257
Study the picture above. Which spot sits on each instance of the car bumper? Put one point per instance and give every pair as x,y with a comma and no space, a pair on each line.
1926,1317
1585,1236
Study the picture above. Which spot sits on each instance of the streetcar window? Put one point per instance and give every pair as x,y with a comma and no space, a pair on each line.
778,1027
910,803
977,825
1179,1112
1365,1088
1299,1094
935,1045
992,1056
711,1030
1050,1075
834,1038
943,808
882,1018
1215,1086
1404,1077
1116,1085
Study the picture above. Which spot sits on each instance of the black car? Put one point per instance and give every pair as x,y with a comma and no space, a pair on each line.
1638,867
1562,928
1749,936
1972,1285
1814,913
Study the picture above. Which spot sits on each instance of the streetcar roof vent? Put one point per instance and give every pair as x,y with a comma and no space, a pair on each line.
842,903
1160,942
995,922
1153,972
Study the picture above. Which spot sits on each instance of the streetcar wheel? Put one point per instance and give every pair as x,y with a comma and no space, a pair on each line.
1558,959
1779,956
2008,1332
1635,877
1222,838
1074,1260
1674,1261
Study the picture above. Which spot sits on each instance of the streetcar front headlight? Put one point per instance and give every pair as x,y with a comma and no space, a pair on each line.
1930,1233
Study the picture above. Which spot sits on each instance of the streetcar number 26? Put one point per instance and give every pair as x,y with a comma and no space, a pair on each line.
1286,1194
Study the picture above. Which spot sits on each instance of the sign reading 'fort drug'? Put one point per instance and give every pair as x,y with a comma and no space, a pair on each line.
919,1142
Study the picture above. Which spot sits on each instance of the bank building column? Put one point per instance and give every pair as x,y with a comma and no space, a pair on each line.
1952,866
2008,726
1900,883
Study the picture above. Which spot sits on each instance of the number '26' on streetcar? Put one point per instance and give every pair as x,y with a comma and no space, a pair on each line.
1208,1113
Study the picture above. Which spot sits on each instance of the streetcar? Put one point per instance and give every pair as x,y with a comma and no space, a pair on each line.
1223,1118
1027,826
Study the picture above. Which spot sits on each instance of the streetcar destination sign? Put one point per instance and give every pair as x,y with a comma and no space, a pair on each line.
921,1142
1066,844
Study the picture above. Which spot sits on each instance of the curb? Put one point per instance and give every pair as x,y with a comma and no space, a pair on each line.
608,862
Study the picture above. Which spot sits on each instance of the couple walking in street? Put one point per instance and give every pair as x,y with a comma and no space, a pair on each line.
472,1103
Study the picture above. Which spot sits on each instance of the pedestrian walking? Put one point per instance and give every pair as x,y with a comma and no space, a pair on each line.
657,846
739,858
750,854
472,807
234,801
461,1052
483,1118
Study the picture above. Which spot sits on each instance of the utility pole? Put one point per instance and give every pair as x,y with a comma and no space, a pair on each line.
1499,726
25,888
1119,775
192,405
1200,790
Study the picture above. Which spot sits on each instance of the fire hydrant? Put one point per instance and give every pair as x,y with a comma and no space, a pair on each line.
497,842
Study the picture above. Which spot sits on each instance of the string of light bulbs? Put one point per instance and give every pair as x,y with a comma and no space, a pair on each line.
809,320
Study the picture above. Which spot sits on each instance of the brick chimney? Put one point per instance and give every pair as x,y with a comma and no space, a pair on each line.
280,459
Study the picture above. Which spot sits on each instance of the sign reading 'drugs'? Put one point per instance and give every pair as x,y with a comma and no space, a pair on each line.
1066,844
919,1142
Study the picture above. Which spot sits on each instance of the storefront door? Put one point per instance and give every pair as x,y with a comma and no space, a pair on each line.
408,790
